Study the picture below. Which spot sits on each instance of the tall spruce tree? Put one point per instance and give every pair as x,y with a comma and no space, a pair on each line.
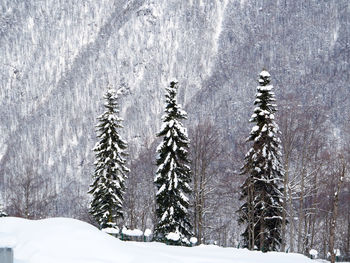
262,191
110,171
173,174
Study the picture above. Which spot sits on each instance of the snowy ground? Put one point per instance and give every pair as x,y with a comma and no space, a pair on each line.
63,240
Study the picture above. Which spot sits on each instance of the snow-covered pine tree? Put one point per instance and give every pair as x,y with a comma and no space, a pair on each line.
262,191
173,175
110,170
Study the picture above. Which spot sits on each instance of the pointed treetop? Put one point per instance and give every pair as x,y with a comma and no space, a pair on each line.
264,77
173,80
111,91
173,88
265,73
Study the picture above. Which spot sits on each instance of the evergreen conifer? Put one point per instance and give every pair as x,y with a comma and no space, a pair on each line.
110,170
262,191
173,175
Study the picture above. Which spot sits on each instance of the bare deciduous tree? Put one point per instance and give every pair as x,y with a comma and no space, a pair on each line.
339,176
30,195
139,198
206,149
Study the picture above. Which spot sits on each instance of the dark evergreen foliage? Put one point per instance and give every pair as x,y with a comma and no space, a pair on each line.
2,212
263,188
110,171
173,175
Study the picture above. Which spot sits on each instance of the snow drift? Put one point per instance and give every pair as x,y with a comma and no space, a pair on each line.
63,240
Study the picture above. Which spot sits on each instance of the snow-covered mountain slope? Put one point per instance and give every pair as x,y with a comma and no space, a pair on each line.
58,240
58,57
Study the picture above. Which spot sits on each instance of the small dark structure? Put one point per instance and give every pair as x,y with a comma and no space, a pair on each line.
6,255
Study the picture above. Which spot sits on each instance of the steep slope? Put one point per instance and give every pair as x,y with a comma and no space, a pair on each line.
305,46
58,57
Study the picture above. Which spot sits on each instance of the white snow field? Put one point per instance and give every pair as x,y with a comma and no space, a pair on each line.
63,240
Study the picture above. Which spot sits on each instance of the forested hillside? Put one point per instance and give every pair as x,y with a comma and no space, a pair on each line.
59,57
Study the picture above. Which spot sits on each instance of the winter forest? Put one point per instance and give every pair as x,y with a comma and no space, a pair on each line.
224,120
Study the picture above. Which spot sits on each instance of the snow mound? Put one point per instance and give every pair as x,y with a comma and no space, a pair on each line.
173,236
148,232
63,240
132,232
193,240
111,230
313,252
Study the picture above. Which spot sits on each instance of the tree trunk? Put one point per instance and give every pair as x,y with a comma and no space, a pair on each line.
251,218
285,195
348,238
262,235
301,211
335,214
292,222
